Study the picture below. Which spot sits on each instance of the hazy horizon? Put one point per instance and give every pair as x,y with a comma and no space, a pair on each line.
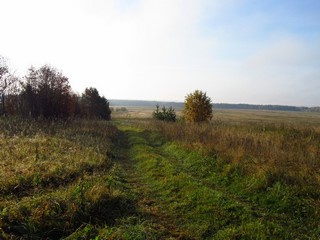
238,51
181,102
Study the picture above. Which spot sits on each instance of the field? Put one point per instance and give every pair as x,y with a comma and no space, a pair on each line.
245,175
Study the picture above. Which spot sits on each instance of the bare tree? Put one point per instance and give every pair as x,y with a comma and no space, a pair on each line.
7,81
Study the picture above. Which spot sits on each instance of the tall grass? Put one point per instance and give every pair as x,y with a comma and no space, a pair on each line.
236,180
210,196
223,179
282,151
56,177
37,154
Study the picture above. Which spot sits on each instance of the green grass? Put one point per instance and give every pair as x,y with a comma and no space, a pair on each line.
53,156
140,179
207,197
68,180
281,150
57,177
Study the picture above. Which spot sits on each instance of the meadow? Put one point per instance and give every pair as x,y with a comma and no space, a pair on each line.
245,175
55,176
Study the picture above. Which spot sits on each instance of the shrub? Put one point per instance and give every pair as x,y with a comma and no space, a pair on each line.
197,107
164,115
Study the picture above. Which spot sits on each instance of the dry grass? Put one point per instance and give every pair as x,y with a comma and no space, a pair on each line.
52,155
138,113
55,177
61,179
274,117
287,151
209,178
277,143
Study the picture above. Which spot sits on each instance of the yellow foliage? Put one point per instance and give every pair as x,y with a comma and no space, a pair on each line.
197,107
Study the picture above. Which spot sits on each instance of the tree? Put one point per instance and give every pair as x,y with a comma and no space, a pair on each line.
7,83
197,107
12,101
164,115
47,93
30,100
94,106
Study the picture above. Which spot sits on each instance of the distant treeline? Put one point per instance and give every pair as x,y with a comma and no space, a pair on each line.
260,107
179,105
144,103
265,107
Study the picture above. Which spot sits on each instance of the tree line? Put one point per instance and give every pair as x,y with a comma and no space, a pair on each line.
45,92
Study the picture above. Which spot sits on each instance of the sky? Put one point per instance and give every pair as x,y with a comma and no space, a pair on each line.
237,51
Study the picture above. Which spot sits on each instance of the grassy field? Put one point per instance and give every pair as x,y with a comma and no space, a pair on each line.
55,177
235,116
205,197
134,113
245,175
308,119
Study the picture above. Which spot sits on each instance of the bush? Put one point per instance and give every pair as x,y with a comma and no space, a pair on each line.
197,107
168,115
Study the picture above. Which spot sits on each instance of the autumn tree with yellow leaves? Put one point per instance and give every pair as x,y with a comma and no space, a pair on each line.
197,107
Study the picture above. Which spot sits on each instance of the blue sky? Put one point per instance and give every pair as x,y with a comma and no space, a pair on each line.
238,51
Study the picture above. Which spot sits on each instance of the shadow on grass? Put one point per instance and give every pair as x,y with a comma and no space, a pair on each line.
55,219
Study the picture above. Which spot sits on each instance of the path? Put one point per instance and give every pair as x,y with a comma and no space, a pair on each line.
147,205
183,194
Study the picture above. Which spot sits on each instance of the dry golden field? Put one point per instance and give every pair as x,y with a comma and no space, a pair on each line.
236,116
